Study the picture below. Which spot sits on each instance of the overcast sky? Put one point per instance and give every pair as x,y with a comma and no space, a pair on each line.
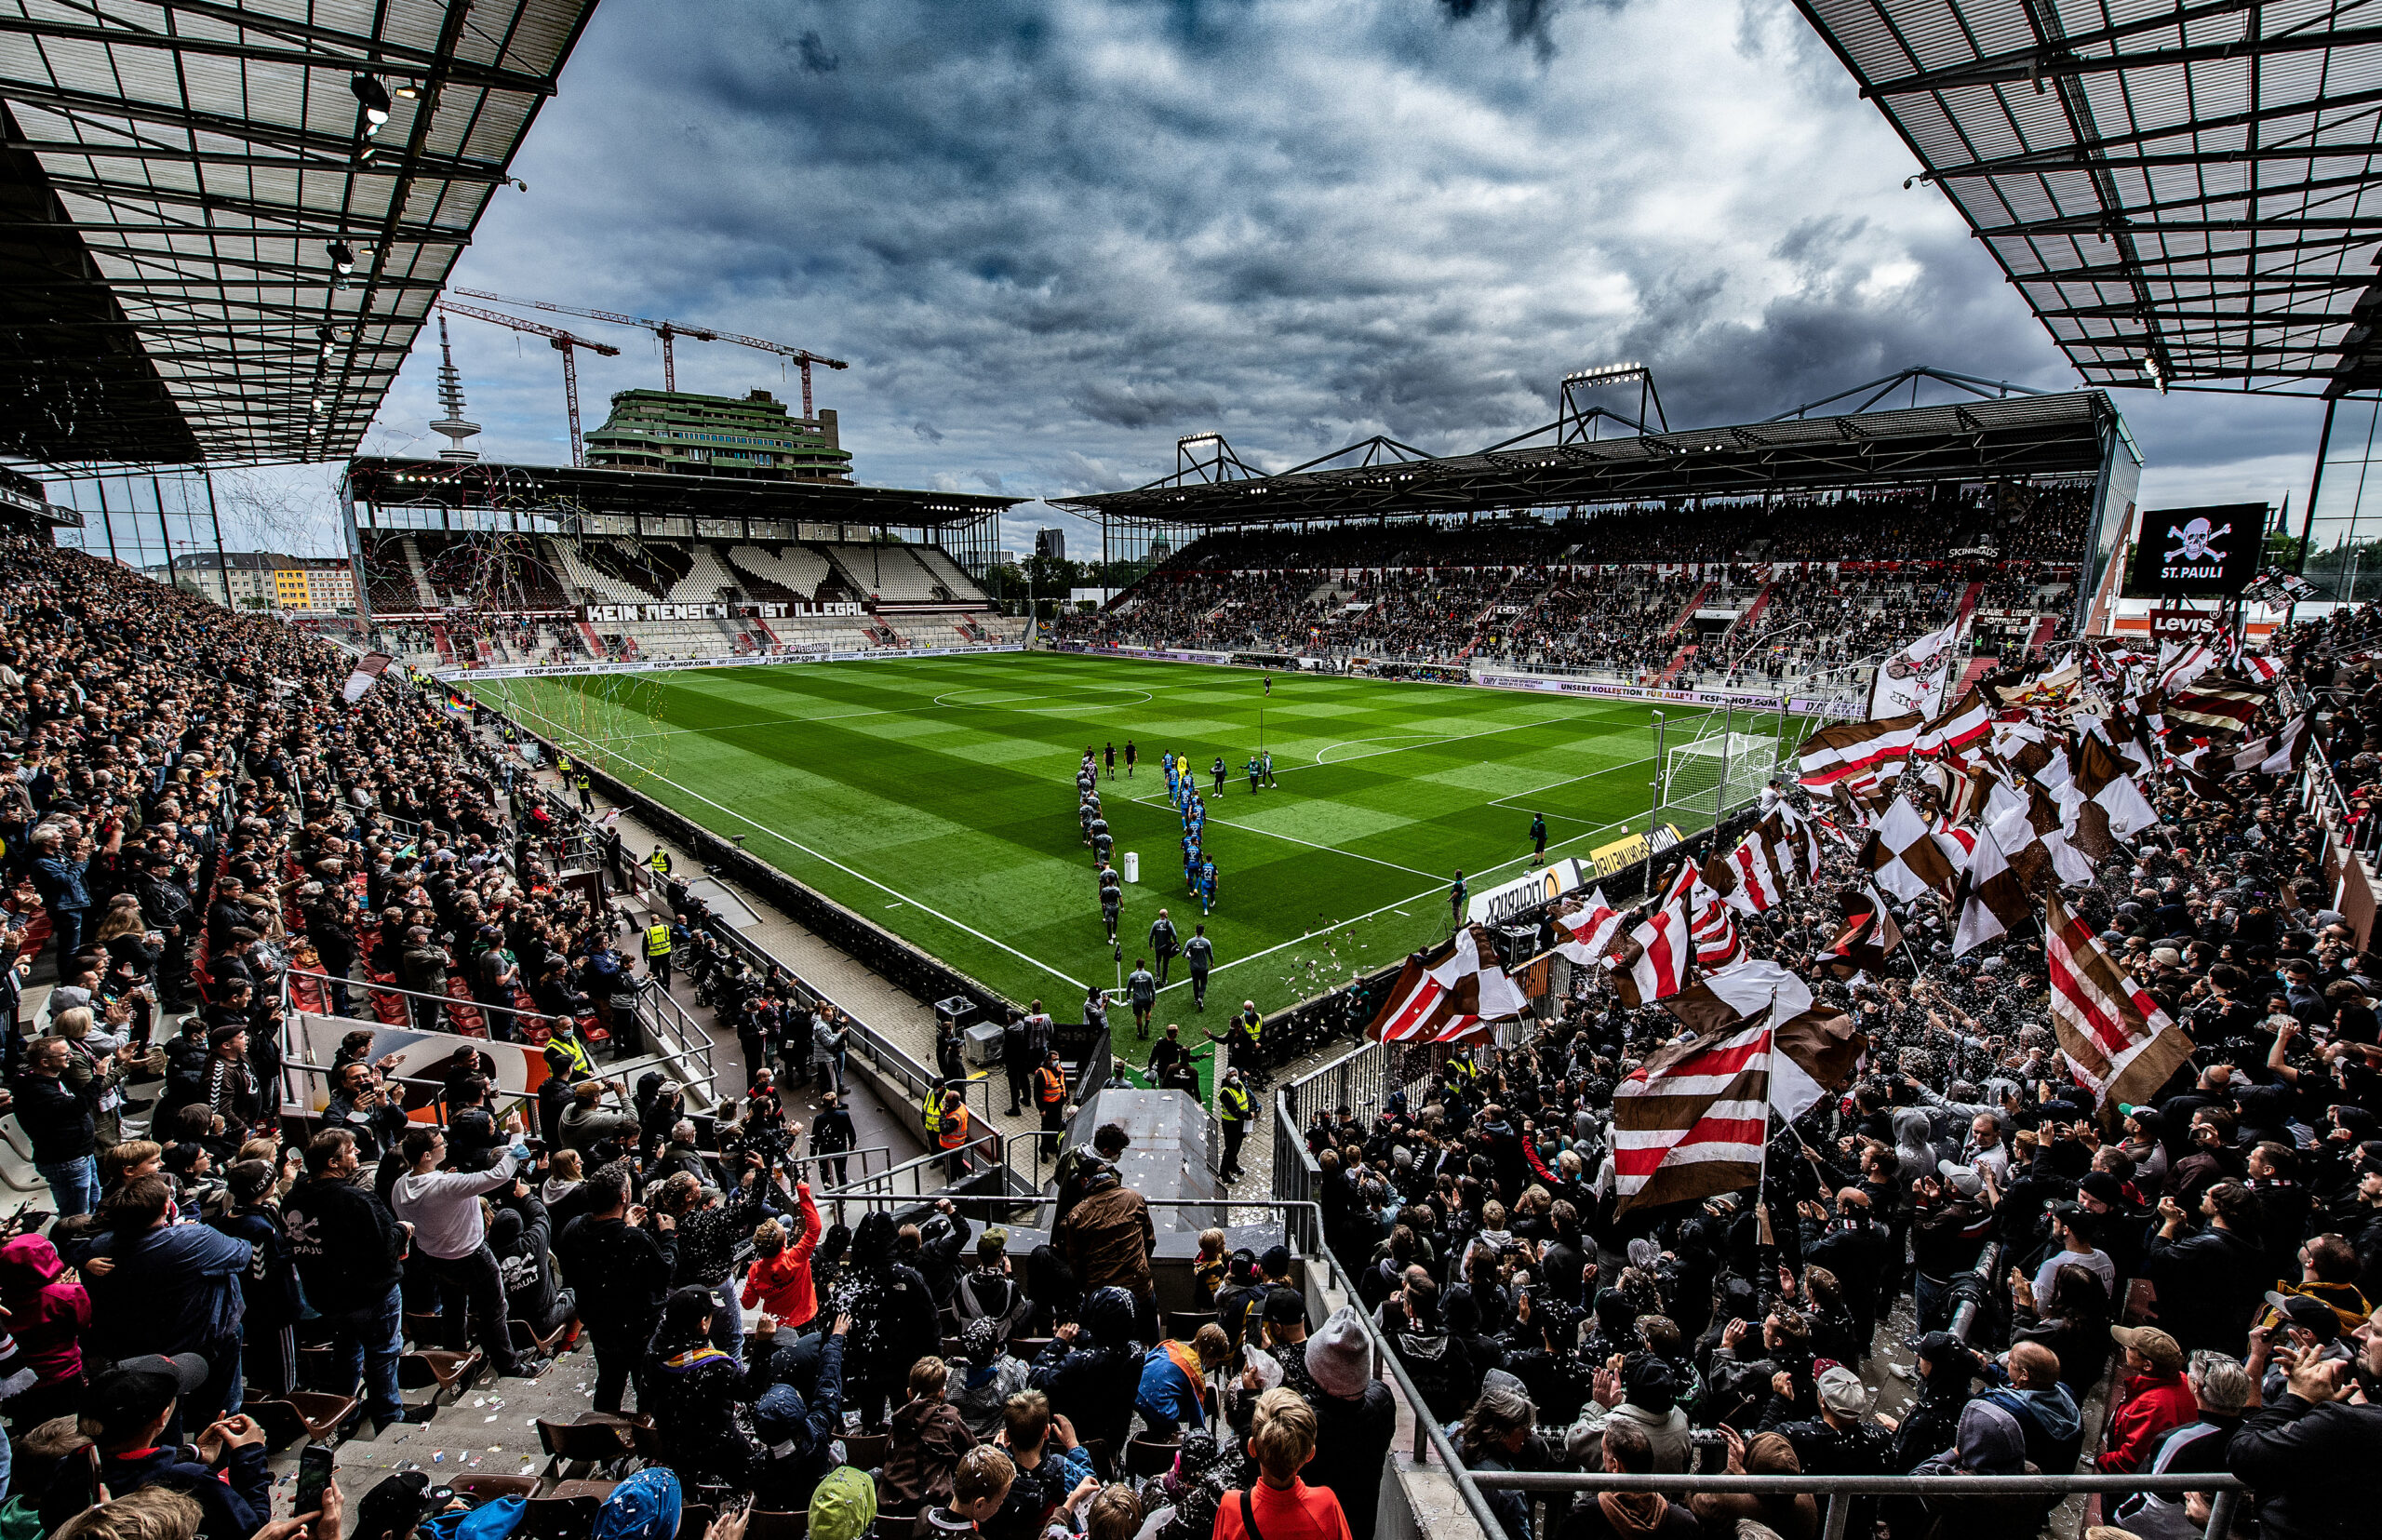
1052,236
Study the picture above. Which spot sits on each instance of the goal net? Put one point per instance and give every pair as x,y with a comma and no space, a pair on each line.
1717,773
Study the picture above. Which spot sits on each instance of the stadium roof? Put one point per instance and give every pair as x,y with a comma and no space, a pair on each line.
2181,188
2027,436
174,176
565,490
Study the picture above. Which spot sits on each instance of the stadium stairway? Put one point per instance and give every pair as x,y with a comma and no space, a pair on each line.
1679,660
1694,603
1978,667
1969,598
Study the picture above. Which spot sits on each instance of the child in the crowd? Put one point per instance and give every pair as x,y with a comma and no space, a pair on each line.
1280,1506
978,1488
1207,1267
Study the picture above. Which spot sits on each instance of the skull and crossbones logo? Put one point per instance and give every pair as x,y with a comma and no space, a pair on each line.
2195,537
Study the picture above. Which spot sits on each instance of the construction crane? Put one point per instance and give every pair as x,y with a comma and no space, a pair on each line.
667,331
563,343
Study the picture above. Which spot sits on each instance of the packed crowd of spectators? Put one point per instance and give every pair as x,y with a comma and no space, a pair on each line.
2188,1285
199,828
191,814
1633,624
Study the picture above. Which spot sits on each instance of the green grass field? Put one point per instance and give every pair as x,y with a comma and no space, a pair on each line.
937,797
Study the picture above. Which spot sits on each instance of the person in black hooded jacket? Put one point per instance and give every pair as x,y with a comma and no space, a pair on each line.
894,1318
1093,1368
694,1387
1946,1366
797,1434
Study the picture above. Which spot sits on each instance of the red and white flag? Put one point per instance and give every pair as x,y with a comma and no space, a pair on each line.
1718,940
1968,722
1857,752
2120,1045
1447,995
1589,931
1691,1121
1753,877
1664,948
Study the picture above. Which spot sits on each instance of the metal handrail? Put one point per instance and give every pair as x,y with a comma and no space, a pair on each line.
1920,1486
699,1053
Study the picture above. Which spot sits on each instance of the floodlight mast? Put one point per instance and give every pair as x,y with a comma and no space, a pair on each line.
563,343
670,330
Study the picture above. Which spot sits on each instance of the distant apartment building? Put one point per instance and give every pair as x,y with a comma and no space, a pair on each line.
267,580
691,435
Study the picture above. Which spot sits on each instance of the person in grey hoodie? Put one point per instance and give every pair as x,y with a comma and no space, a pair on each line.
1650,1401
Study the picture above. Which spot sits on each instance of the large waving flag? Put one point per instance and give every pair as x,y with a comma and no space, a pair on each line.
1857,752
1448,995
1692,1119
2112,1034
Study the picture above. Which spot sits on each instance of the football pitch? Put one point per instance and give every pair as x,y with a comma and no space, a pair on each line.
936,796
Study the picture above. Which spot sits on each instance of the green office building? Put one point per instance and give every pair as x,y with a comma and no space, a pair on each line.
651,429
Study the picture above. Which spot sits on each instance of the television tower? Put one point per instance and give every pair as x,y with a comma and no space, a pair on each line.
450,395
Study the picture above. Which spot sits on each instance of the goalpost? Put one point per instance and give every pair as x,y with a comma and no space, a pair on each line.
1721,769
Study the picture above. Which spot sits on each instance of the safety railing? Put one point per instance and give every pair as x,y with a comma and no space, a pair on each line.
683,1045
924,1176
1843,1492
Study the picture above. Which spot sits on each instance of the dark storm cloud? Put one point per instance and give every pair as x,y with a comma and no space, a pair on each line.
1052,236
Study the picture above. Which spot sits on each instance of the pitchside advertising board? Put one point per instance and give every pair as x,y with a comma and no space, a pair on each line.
2197,553
1496,905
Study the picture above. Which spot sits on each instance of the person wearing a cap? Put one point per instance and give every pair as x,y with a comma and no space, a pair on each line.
2152,1398
1647,1400
1356,1415
126,1412
2074,1228
2306,1327
1844,1440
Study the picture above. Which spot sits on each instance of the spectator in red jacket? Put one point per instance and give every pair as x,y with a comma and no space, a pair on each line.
780,1282
2155,1399
47,1314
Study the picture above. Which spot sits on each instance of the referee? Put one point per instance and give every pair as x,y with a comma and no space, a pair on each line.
1456,894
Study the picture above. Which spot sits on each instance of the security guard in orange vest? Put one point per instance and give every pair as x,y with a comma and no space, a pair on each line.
1050,1092
947,1119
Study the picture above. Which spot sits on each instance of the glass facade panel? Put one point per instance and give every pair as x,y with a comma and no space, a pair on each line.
159,523
2344,537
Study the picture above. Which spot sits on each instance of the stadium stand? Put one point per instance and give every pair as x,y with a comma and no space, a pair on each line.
1771,594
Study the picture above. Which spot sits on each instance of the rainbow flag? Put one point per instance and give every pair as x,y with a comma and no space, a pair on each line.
455,707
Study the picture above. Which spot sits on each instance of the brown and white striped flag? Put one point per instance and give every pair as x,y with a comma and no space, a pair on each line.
1691,1121
2113,1035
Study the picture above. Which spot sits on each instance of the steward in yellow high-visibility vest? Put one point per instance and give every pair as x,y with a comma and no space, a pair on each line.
659,861
566,1053
657,951
1233,1111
